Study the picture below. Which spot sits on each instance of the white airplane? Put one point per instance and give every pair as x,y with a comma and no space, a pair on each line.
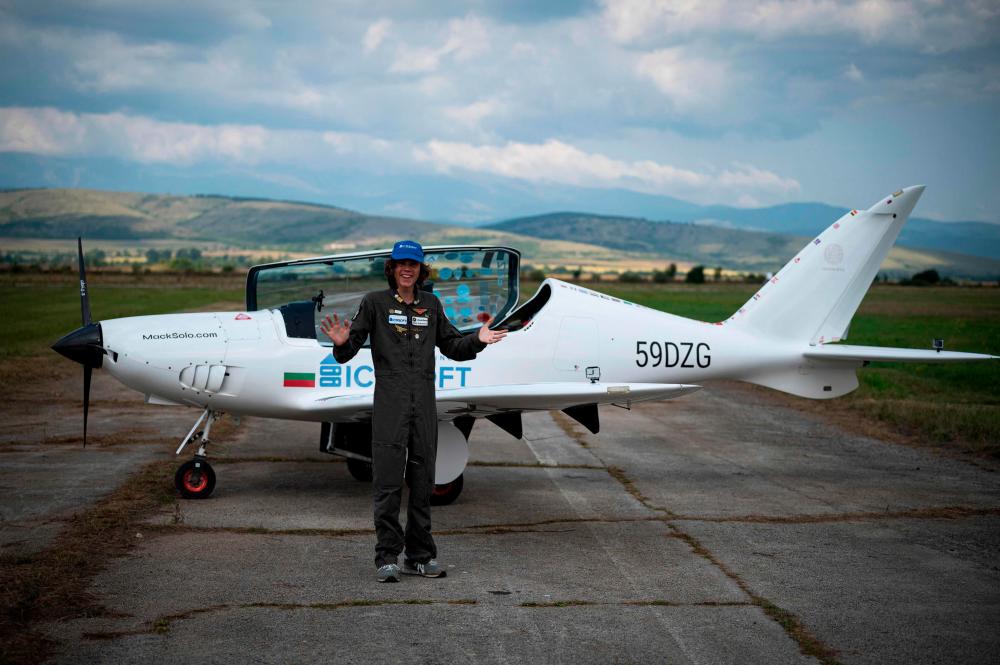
569,348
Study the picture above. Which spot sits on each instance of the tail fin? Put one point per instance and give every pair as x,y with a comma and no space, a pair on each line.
815,295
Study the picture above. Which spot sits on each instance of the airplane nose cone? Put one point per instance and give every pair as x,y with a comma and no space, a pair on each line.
84,345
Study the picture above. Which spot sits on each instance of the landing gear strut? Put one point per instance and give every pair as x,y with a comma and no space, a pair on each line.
195,479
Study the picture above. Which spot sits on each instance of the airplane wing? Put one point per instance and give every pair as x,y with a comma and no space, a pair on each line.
875,353
488,400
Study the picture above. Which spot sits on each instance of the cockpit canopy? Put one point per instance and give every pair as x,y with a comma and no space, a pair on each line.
472,282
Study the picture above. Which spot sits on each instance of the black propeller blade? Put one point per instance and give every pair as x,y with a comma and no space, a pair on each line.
87,371
84,296
84,345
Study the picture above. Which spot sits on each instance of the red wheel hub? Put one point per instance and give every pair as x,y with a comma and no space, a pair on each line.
195,485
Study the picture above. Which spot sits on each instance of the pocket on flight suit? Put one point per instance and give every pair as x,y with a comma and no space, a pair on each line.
388,461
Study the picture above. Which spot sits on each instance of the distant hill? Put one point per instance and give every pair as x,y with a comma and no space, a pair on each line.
808,219
722,246
572,240
46,215
683,241
67,213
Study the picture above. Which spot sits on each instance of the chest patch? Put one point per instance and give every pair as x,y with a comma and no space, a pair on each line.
397,319
421,311
419,320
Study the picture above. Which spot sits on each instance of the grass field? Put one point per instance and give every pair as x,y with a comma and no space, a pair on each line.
950,406
39,309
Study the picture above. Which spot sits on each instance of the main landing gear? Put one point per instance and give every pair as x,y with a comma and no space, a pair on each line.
441,495
195,479
353,441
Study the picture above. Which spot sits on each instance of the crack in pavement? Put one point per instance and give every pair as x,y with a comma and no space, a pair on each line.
633,603
944,512
162,624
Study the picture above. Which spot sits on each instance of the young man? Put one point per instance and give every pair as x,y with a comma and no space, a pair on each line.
404,324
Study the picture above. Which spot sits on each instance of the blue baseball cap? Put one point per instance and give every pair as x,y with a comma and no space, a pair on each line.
408,249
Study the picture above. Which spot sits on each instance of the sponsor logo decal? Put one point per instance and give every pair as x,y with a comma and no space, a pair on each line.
419,320
334,375
397,320
179,335
241,317
834,254
300,380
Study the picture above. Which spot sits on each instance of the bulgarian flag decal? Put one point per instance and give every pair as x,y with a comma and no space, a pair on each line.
300,380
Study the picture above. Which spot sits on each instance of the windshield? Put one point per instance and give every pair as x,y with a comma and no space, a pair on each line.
472,283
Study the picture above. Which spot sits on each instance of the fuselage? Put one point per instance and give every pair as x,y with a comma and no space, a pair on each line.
244,363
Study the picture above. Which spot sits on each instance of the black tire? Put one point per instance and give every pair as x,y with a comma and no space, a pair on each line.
195,479
447,493
360,469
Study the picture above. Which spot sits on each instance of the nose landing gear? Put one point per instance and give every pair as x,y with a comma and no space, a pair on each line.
195,479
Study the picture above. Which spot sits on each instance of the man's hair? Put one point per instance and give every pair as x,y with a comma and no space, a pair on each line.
390,269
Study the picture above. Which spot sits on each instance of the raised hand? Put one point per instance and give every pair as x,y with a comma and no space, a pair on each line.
487,336
339,332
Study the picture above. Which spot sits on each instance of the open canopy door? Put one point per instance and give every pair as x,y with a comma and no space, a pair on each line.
472,282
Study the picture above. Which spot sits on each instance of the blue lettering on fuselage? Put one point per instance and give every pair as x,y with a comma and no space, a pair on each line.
334,375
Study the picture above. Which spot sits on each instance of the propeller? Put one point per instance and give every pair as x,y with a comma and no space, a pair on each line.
84,345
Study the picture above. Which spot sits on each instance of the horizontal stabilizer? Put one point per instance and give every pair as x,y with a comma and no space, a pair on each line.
875,353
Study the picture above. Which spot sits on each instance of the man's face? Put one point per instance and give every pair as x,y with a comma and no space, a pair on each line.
406,272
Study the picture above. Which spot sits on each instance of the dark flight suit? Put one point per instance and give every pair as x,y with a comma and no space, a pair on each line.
403,338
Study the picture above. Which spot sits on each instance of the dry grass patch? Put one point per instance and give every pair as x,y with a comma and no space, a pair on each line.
51,585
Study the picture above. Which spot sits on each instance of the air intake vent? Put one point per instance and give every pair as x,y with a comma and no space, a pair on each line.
207,378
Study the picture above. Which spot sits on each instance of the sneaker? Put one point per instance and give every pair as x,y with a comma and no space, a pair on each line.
429,569
387,573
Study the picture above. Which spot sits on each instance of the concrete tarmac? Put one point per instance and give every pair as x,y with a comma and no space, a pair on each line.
717,528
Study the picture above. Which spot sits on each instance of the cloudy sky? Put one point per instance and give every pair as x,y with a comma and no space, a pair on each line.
393,106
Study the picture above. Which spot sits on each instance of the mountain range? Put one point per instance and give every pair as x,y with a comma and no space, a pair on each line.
590,241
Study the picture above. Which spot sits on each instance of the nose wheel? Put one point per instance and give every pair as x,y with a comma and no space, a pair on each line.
195,479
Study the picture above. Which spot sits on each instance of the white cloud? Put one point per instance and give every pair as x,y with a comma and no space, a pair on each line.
466,38
852,73
929,25
375,34
691,83
558,162
470,115
48,131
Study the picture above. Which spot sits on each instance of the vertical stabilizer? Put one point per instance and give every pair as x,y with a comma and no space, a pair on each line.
816,294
